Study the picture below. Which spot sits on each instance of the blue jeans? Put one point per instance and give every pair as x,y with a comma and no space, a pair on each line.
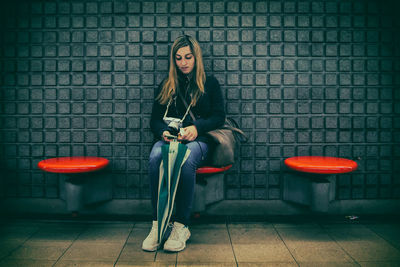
185,191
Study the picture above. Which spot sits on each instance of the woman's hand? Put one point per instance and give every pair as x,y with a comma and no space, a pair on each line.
164,136
190,133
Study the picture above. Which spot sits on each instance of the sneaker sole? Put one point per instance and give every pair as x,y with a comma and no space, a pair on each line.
152,249
174,249
177,249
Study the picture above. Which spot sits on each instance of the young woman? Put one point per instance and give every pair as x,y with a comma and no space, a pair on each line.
170,116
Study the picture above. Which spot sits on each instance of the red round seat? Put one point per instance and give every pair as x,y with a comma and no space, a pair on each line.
73,164
321,165
212,170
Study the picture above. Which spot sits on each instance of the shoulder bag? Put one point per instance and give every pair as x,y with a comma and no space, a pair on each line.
226,139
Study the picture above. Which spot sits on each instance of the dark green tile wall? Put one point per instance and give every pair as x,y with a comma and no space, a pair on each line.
300,77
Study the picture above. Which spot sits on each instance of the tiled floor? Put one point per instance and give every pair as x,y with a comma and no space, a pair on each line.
276,243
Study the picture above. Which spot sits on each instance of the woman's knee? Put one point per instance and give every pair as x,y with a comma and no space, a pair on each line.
193,161
198,153
155,155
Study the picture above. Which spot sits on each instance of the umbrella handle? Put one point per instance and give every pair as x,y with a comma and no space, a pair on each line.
174,137
171,137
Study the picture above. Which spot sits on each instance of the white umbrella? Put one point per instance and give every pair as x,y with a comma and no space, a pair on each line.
174,156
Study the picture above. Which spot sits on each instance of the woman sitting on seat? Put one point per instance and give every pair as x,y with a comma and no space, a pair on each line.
186,80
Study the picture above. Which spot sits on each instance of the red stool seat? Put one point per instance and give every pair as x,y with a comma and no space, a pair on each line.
212,170
73,164
321,165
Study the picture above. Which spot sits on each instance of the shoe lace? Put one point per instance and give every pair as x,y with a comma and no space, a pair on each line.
176,233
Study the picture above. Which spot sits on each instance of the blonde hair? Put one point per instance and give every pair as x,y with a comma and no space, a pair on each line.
170,85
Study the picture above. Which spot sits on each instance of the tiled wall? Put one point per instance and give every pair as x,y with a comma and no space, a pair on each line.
300,77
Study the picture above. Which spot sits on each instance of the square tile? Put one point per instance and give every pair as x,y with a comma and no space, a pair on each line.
379,263
206,253
297,225
247,235
133,251
274,252
7,246
268,264
328,264
350,232
105,234
370,250
21,233
37,252
312,245
318,252
363,244
40,243
138,263
220,264
54,236
27,263
111,224
81,263
209,236
304,235
93,251
389,232
166,257
137,235
208,226
250,225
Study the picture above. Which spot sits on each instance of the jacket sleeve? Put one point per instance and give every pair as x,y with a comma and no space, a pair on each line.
217,115
157,125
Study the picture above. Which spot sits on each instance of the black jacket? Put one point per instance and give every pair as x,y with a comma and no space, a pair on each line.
209,110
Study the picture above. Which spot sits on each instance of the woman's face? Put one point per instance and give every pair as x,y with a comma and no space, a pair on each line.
184,60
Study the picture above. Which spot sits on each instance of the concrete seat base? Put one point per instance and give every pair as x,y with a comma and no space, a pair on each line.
209,187
81,190
315,192
314,185
81,184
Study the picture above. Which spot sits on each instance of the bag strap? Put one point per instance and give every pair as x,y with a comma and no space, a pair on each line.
230,124
186,105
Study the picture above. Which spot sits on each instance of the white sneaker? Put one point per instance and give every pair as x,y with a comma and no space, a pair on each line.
150,243
177,239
